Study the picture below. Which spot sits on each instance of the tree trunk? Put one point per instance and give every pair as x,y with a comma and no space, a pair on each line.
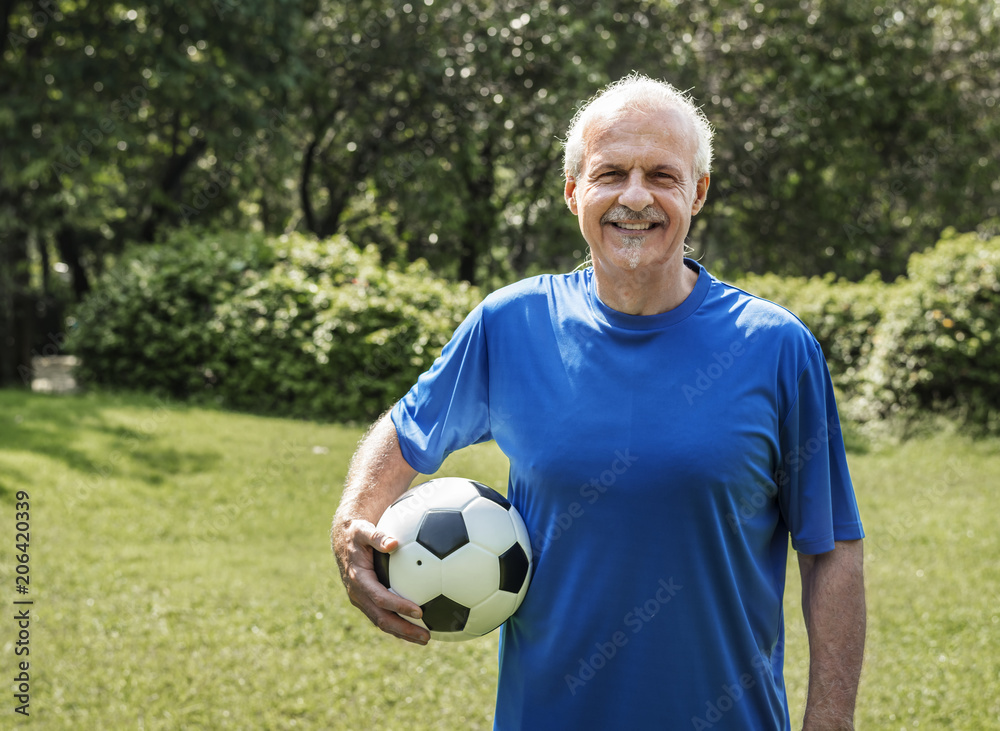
468,253
17,316
305,196
170,185
68,241
481,214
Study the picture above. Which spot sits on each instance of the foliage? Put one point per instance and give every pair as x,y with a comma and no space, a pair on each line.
187,549
924,343
125,117
144,326
330,333
841,314
290,325
844,141
297,326
847,134
860,126
936,346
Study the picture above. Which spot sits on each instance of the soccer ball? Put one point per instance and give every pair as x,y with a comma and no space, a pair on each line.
464,556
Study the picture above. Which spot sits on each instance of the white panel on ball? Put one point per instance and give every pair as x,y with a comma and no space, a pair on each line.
446,492
415,573
470,575
403,520
489,525
483,617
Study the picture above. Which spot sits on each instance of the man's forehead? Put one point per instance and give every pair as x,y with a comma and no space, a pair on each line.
664,132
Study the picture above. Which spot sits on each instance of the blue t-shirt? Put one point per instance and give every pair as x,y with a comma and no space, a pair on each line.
660,463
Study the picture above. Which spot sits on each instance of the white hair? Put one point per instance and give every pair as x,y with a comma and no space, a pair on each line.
637,92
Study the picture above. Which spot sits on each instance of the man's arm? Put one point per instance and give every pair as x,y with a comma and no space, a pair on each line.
378,475
833,602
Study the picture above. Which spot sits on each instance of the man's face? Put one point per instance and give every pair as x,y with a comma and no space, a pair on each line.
636,192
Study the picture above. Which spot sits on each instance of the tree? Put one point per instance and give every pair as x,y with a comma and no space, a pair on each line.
107,142
848,135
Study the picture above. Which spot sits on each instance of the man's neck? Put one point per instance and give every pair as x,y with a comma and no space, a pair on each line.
645,290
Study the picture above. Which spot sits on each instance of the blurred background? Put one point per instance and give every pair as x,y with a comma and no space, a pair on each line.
849,136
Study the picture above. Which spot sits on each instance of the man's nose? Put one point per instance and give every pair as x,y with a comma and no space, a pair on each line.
636,195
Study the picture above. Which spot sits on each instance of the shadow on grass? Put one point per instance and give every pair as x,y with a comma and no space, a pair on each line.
77,431
7,493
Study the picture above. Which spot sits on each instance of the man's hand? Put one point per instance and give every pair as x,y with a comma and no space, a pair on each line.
353,546
378,475
833,602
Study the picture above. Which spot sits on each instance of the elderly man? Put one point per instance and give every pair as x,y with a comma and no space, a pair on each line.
667,433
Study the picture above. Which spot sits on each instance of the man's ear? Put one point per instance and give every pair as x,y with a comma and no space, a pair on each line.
570,193
701,194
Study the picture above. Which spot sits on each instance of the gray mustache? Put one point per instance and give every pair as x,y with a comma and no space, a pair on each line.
624,213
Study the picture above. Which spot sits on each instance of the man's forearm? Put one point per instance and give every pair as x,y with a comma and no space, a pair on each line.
833,603
378,475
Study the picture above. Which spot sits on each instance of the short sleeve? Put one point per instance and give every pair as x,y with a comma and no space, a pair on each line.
448,407
815,492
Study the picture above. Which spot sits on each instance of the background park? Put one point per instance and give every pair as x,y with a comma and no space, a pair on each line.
255,222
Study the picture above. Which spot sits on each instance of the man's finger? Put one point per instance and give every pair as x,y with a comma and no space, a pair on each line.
395,625
368,535
384,609
380,541
369,585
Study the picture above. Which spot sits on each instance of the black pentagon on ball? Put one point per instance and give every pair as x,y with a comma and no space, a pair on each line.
381,561
490,494
442,614
442,532
513,569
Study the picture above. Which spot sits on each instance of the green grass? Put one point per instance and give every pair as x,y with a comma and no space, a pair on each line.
182,578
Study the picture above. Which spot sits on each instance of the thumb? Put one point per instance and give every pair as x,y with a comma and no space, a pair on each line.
381,541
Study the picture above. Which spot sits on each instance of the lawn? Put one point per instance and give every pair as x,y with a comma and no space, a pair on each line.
181,578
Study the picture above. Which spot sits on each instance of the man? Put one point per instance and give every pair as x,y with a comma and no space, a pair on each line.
666,434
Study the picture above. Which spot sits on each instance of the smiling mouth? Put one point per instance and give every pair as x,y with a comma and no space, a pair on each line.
643,226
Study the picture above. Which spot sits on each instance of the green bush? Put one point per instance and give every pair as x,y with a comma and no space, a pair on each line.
936,347
320,329
289,326
144,324
842,315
